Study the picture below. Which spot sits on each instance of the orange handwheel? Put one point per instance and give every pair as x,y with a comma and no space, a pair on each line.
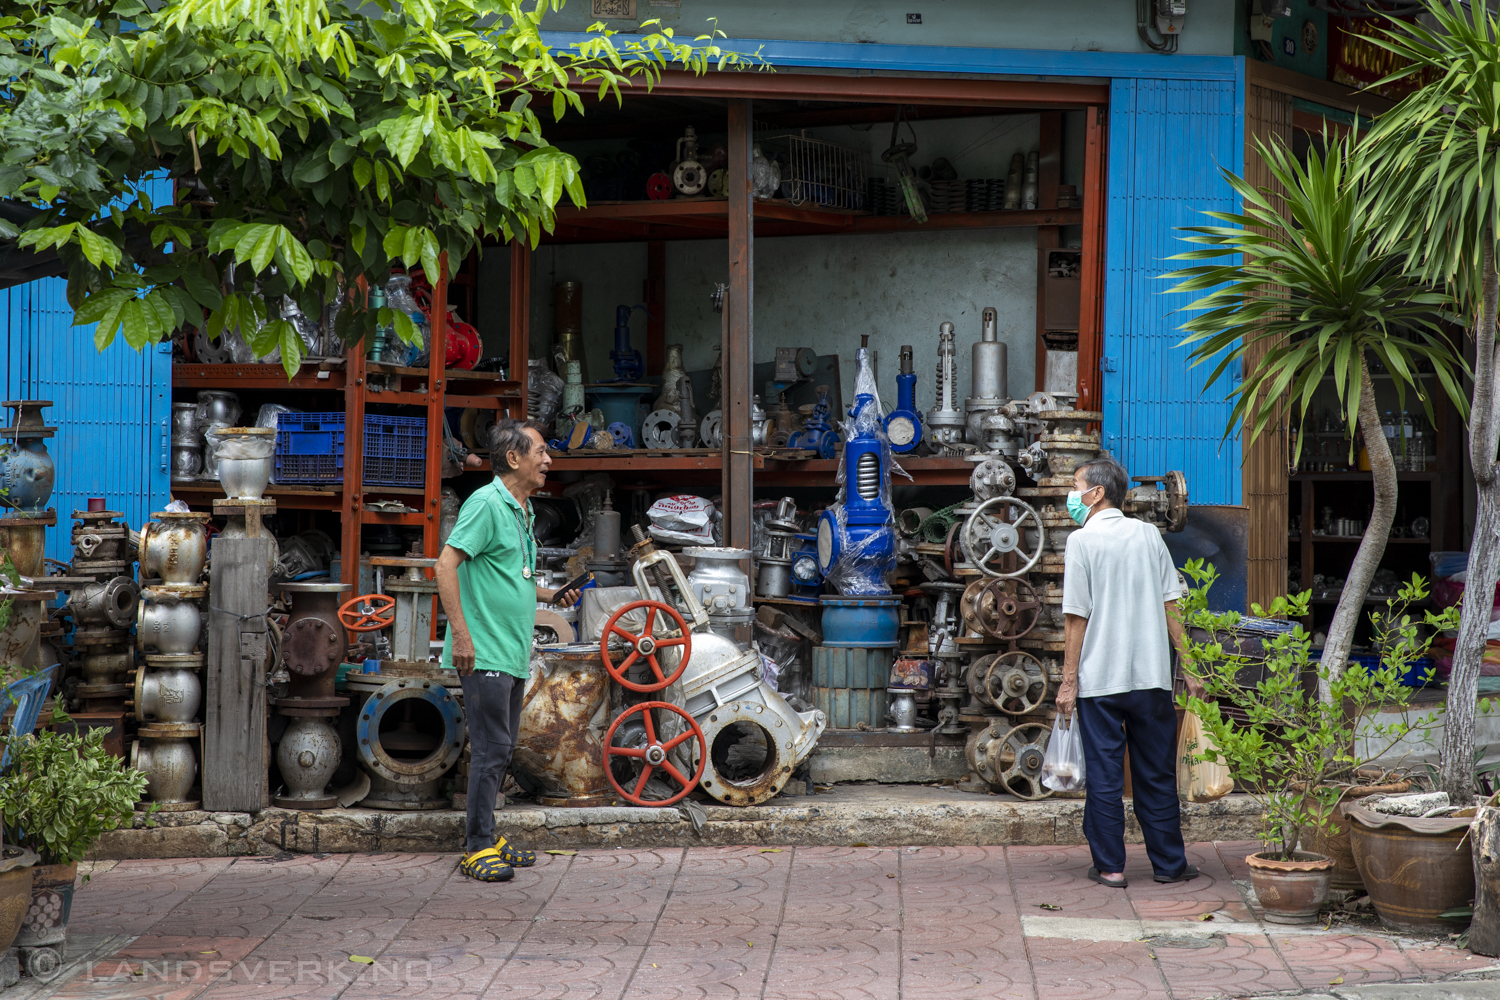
654,754
646,645
368,613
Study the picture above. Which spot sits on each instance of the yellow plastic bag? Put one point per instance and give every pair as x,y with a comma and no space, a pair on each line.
1202,781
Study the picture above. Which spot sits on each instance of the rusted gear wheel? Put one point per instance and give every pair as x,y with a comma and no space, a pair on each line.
654,755
1007,609
1015,683
1019,760
646,646
988,536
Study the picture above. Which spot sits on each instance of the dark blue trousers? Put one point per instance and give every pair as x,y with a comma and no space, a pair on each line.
1146,722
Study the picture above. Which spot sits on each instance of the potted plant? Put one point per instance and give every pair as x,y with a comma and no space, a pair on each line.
58,796
1295,753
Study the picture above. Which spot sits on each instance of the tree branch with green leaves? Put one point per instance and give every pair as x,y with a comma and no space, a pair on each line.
313,144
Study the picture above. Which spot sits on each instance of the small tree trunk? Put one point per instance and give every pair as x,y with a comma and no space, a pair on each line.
1456,761
1351,606
1484,841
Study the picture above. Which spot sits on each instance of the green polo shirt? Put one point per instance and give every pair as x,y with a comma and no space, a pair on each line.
499,603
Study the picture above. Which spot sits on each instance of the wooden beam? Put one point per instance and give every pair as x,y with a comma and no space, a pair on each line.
437,387
655,299
791,85
234,708
520,312
739,374
1091,285
1334,95
355,376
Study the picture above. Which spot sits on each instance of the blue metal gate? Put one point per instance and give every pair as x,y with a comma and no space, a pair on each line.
1167,141
112,409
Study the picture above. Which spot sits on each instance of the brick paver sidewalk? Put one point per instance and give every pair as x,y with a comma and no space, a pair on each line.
819,923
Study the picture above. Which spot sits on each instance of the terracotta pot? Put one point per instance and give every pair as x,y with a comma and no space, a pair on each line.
51,901
1413,868
16,864
1291,892
1334,841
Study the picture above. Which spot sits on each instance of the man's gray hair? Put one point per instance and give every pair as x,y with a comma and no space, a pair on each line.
1111,475
507,435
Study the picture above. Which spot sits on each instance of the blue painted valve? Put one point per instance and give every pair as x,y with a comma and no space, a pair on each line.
629,365
904,425
623,435
868,532
817,434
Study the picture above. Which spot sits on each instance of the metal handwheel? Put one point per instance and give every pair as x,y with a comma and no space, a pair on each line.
646,645
987,537
653,755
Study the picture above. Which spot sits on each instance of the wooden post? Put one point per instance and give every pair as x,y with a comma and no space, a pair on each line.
1091,287
1484,843
739,373
355,374
520,312
656,305
234,712
437,386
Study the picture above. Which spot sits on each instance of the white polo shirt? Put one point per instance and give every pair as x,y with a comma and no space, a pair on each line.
1119,575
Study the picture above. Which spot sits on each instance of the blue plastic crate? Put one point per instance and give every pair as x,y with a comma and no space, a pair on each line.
310,449
395,450
1414,677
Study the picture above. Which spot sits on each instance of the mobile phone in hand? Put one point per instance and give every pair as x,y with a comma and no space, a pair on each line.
574,584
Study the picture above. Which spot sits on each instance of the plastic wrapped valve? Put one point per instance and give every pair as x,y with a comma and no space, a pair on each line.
235,447
543,392
858,569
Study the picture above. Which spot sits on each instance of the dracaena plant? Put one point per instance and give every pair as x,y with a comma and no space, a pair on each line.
1300,289
311,144
1433,175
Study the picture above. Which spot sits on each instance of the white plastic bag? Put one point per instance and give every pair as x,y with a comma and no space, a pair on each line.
1062,767
1199,780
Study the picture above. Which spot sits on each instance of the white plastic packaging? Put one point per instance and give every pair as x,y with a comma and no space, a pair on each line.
1062,767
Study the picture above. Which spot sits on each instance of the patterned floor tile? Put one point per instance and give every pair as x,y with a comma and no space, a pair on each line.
616,885
1094,970
1317,961
981,972
133,895
844,887
728,966
381,886
1058,876
462,898
1236,965
819,963
555,972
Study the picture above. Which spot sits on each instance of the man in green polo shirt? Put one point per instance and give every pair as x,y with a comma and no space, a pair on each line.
486,579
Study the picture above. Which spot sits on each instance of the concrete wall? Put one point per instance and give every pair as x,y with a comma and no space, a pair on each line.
1081,25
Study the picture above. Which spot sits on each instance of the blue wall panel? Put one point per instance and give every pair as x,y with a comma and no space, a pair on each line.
1167,141
111,409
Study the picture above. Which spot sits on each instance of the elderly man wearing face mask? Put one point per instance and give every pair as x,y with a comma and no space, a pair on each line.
1120,594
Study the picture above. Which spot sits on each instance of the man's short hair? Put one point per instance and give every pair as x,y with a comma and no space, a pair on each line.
507,435
1108,473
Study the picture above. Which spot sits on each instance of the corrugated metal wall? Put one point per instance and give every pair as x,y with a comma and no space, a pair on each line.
111,410
1167,141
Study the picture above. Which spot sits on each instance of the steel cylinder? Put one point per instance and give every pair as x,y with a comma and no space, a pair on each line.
108,604
170,767
315,639
27,473
410,732
556,745
102,664
167,695
185,421
988,375
24,539
174,548
717,574
216,407
167,626
308,754
187,457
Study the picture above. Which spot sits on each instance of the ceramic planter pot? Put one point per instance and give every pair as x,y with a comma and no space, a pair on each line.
1334,841
1413,868
16,875
1291,892
46,921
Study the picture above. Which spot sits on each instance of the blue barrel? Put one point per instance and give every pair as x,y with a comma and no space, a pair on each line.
865,622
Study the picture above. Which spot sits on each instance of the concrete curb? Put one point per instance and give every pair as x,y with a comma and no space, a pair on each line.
877,815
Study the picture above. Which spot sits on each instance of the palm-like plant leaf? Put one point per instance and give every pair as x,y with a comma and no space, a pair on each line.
1308,286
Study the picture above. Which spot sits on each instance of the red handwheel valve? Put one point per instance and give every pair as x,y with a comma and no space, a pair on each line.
646,646
654,755
368,613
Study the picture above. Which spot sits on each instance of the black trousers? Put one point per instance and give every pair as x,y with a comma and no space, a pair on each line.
492,708
1146,722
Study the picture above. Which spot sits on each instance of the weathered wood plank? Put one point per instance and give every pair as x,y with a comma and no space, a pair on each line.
234,715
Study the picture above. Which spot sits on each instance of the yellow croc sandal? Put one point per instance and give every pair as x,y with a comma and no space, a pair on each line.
514,855
487,866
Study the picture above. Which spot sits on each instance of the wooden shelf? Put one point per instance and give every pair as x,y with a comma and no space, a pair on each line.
290,497
708,218
769,469
1431,475
1355,539
313,375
